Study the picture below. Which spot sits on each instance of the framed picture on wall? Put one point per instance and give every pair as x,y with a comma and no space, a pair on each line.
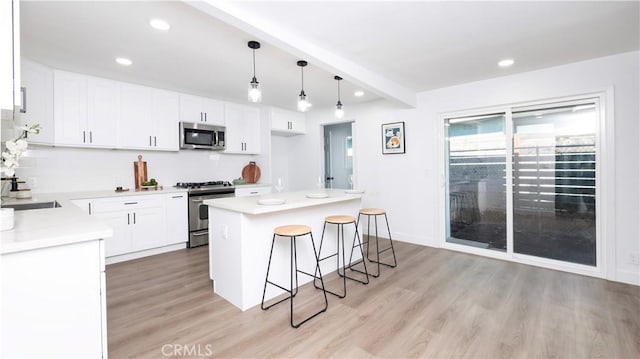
393,138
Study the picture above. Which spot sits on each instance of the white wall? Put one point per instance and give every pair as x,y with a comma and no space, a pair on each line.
408,185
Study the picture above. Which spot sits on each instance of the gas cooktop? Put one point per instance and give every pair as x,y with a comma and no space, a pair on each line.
209,186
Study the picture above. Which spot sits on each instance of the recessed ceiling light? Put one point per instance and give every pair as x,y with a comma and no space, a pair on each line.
358,93
124,61
506,62
159,24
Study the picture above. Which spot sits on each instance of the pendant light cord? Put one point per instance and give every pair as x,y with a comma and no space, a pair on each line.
302,71
254,63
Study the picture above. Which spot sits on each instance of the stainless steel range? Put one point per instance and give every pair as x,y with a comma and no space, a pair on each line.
198,212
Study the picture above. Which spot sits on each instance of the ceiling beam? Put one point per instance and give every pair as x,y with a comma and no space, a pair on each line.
292,43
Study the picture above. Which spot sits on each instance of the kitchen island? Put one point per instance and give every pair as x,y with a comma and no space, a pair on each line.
240,233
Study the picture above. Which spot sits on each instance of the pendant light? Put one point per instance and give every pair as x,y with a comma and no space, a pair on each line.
339,111
254,94
303,104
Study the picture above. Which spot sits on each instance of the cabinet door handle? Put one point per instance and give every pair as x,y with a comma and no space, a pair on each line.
91,136
149,141
128,218
89,207
23,92
84,136
128,203
134,217
177,196
201,118
155,141
205,117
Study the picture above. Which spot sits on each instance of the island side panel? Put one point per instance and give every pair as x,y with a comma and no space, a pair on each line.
225,255
257,232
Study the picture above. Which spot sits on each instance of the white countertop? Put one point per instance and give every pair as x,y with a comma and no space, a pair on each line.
293,200
41,228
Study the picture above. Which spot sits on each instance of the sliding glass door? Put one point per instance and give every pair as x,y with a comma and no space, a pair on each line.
476,190
524,182
554,183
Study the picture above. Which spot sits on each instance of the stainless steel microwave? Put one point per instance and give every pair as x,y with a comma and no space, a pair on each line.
201,136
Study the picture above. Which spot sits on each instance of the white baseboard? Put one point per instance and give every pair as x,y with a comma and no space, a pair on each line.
628,277
145,253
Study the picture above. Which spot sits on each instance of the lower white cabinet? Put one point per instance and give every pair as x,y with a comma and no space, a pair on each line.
141,222
177,208
53,302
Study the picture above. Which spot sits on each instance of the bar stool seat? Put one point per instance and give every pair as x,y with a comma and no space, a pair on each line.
375,212
372,211
340,221
293,232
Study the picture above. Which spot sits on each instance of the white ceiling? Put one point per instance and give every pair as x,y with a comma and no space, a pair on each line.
413,46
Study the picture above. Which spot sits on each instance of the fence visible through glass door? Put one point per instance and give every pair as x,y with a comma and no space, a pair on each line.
476,184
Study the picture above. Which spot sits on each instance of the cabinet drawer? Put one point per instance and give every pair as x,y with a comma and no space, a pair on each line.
126,203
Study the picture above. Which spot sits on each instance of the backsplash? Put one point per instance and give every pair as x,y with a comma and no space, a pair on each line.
59,169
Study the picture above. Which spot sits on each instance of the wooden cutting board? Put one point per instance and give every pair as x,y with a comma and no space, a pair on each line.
251,172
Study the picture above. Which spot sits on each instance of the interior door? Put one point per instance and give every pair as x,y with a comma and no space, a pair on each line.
338,155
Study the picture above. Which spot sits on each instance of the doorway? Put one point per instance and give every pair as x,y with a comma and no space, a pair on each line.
338,155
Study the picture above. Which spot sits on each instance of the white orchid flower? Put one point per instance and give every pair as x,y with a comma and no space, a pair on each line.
8,171
31,129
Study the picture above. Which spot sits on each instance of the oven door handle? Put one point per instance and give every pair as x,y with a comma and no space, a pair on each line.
197,200
200,233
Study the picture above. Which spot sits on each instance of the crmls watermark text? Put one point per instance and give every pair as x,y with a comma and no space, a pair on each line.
183,350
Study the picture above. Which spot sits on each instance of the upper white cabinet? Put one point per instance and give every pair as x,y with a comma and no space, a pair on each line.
287,123
9,54
103,103
243,129
85,110
200,109
165,113
148,118
37,106
135,130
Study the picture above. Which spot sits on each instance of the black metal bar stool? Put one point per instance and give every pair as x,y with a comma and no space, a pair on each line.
294,231
375,212
340,221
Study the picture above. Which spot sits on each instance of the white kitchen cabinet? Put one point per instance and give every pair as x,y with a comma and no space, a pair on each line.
242,191
53,302
177,218
84,204
148,118
70,108
86,110
136,125
120,242
243,129
286,123
9,54
37,104
165,112
138,222
201,110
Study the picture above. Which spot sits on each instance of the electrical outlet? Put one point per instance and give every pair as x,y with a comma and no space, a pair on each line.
32,182
634,258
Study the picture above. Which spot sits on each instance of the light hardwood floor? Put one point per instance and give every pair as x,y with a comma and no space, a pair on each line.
436,304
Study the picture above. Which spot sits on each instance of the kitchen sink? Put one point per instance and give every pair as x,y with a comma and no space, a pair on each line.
26,206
